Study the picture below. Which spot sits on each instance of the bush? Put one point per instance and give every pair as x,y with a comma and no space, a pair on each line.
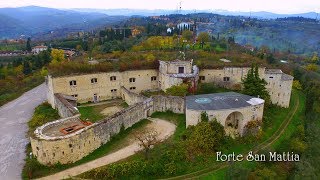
205,137
42,114
298,146
179,90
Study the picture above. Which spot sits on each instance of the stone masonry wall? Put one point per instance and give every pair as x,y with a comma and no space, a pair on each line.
73,147
65,109
173,103
131,97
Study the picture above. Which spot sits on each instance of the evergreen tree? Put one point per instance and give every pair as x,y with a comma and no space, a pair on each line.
271,59
26,68
29,45
253,85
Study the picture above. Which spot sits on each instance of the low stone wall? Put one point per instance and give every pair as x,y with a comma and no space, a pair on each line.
64,107
131,97
175,104
75,146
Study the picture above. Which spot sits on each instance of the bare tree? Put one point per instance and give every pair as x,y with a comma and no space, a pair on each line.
147,139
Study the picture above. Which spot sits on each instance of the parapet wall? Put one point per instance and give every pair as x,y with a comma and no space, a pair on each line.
131,97
75,146
169,103
64,107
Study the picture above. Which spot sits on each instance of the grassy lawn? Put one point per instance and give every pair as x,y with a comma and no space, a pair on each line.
281,144
275,116
44,113
178,119
163,152
152,93
207,88
117,142
94,112
15,90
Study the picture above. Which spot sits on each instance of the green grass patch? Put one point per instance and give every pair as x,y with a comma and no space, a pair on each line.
178,119
182,166
208,88
276,116
93,113
44,113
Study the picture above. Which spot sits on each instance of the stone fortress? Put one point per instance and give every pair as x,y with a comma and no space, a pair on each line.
232,110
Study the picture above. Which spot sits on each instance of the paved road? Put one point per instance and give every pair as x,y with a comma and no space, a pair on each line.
164,128
13,119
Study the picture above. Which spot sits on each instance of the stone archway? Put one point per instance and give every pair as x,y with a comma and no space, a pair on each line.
232,124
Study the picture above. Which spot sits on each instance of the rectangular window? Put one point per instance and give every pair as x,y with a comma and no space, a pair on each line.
202,78
94,80
73,83
153,78
132,79
113,90
132,88
181,70
226,79
113,78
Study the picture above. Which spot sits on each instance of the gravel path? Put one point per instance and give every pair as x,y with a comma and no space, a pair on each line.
13,119
164,129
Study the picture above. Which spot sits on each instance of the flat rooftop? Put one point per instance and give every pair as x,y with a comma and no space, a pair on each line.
217,101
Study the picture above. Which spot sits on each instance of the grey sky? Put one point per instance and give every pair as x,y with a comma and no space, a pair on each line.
276,6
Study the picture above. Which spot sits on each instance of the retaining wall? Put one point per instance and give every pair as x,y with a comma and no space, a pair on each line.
75,146
131,97
172,103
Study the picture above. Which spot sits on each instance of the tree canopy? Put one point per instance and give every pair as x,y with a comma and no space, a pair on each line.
57,56
205,137
253,85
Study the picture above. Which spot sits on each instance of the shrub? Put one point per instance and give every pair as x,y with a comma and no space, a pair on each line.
205,137
42,114
178,90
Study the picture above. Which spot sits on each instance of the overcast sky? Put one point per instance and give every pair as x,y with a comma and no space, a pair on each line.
276,6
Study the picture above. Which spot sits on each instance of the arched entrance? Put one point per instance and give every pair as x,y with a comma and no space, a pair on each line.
232,124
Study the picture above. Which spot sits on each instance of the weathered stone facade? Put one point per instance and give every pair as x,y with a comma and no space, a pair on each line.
50,149
176,72
226,108
73,147
102,86
279,84
108,85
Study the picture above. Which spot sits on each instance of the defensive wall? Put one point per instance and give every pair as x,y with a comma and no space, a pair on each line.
74,146
51,149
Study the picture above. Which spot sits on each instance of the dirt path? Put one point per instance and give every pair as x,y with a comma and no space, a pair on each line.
164,128
13,119
261,146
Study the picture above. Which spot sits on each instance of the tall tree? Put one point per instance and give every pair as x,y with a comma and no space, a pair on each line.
26,68
203,37
271,59
253,85
57,56
29,44
187,35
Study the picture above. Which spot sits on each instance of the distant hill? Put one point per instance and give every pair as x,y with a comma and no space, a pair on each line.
157,12
32,19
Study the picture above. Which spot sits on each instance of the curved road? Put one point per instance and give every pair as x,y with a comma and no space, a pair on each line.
13,119
164,128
